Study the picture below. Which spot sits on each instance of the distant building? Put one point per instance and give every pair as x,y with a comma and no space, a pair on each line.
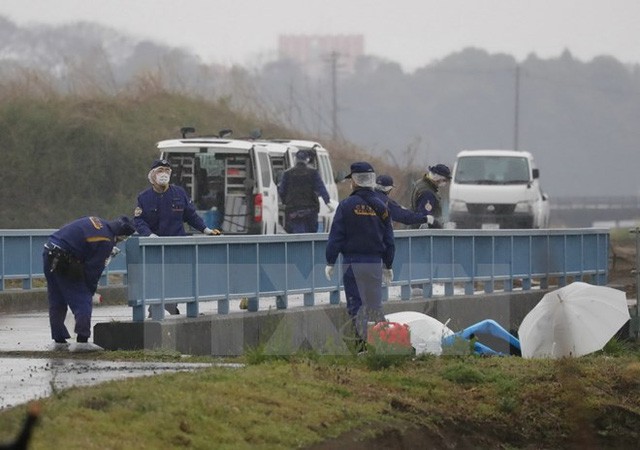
313,52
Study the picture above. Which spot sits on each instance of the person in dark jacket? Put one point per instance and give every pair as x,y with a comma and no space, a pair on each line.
425,197
384,185
362,231
164,208
299,190
74,258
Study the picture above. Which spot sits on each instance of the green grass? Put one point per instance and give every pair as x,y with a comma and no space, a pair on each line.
307,398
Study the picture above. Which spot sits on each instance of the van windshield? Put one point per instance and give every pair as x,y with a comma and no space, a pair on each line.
492,170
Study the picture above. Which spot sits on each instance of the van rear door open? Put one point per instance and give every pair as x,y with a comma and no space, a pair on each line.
229,182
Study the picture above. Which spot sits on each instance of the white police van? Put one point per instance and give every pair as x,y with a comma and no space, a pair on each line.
497,189
229,180
284,159
233,182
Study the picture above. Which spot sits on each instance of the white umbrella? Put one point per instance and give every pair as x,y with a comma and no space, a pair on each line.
426,332
575,320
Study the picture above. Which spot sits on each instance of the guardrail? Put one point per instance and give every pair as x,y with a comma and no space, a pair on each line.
21,260
200,268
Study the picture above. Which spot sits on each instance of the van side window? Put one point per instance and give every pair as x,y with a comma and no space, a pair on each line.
278,166
265,168
323,169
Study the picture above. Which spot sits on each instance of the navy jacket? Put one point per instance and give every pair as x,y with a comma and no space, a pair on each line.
300,188
89,240
399,213
164,214
361,228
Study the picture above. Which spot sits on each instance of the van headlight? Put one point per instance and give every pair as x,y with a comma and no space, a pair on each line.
457,206
523,207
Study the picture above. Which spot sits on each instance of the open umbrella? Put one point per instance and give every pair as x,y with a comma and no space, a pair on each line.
574,320
426,333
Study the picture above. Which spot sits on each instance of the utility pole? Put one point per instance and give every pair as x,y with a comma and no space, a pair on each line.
516,121
333,59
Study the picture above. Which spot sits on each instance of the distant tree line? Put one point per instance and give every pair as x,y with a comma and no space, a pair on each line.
75,90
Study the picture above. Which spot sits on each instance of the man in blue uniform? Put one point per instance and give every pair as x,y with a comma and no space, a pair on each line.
74,258
362,231
163,209
299,191
384,185
425,197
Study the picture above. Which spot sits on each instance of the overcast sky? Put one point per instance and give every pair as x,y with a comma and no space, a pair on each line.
411,32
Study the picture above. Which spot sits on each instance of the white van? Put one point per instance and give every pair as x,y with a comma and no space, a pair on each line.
320,160
497,189
229,180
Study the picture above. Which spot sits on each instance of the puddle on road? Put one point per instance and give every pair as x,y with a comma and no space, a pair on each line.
26,379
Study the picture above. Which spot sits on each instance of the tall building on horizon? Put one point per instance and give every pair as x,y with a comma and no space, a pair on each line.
313,52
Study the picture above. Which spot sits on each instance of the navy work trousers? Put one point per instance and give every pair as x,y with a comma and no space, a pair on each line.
65,292
363,288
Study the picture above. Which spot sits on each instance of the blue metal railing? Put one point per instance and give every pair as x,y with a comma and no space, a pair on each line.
21,259
201,268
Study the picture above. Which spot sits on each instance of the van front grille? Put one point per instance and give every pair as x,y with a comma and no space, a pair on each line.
490,208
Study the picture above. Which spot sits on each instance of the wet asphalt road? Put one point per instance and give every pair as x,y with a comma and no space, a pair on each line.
23,379
26,378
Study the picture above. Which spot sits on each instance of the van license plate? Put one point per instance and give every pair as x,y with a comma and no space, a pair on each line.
490,226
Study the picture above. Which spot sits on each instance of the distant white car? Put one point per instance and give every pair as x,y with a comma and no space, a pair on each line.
497,189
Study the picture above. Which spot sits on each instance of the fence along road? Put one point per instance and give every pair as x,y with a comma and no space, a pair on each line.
202,269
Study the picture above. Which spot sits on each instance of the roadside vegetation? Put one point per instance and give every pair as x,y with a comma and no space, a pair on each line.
70,155
314,401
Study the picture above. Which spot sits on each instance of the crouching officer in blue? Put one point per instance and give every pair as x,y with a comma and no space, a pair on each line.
74,258
299,191
362,231
425,198
164,208
384,185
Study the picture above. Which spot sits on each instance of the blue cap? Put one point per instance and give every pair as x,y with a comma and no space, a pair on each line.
160,163
385,180
360,167
303,155
122,226
442,170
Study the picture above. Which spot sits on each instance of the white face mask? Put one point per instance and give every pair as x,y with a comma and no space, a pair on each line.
163,178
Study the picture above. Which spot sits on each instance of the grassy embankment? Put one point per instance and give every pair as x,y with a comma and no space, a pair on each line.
303,399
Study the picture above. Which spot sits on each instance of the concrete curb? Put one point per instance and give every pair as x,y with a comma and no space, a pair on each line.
19,301
319,328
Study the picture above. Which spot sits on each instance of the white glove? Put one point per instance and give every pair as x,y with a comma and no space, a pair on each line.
328,272
430,219
115,251
153,235
330,207
387,276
